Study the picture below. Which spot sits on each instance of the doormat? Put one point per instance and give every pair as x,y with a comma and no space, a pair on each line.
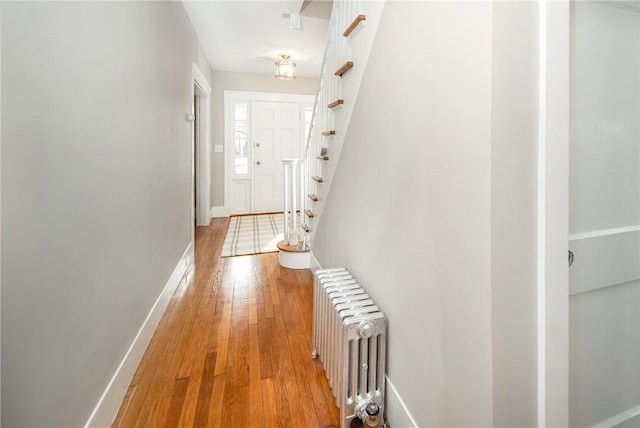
253,234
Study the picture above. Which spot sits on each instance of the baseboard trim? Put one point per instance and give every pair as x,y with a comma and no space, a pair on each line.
619,418
219,212
396,411
315,264
107,408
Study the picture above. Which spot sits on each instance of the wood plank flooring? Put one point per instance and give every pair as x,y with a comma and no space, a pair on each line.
233,349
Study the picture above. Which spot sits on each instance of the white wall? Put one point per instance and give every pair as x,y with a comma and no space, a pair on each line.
433,207
225,80
96,190
514,121
409,210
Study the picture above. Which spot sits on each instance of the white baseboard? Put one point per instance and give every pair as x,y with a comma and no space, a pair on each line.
396,411
219,212
315,264
107,408
619,418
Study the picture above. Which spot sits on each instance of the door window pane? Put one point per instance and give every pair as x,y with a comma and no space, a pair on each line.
241,142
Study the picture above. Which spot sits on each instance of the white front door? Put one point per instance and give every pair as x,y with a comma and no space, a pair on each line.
276,136
604,215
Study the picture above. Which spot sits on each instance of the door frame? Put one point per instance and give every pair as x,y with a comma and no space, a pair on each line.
231,180
553,213
201,149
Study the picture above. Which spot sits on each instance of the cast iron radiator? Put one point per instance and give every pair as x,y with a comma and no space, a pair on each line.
349,336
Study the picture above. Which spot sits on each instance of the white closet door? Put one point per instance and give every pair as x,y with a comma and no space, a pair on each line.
604,216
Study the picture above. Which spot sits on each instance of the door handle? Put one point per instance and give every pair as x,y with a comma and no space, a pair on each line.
570,258
258,163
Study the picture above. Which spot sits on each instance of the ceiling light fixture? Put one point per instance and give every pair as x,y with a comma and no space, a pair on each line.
285,68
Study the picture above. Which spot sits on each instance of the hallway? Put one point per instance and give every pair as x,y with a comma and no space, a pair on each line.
233,348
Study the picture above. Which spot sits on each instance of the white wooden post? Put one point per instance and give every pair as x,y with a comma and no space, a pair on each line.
286,200
293,193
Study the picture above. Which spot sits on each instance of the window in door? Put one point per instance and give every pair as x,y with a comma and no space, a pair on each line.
241,140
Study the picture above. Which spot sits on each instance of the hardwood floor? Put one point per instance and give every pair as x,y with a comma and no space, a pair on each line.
233,349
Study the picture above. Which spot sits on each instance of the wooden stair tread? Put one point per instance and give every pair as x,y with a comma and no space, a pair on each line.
283,246
317,179
330,132
336,103
313,197
358,19
345,67
324,158
308,213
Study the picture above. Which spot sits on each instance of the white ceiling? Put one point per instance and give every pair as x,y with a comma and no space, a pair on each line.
249,36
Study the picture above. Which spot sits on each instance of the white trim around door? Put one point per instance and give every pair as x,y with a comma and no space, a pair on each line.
202,165
553,210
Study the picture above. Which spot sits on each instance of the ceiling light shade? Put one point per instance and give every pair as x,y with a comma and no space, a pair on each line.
285,69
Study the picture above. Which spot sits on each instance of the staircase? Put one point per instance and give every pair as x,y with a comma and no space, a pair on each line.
352,29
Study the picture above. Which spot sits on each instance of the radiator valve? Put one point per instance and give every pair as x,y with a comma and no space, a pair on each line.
370,415
366,329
